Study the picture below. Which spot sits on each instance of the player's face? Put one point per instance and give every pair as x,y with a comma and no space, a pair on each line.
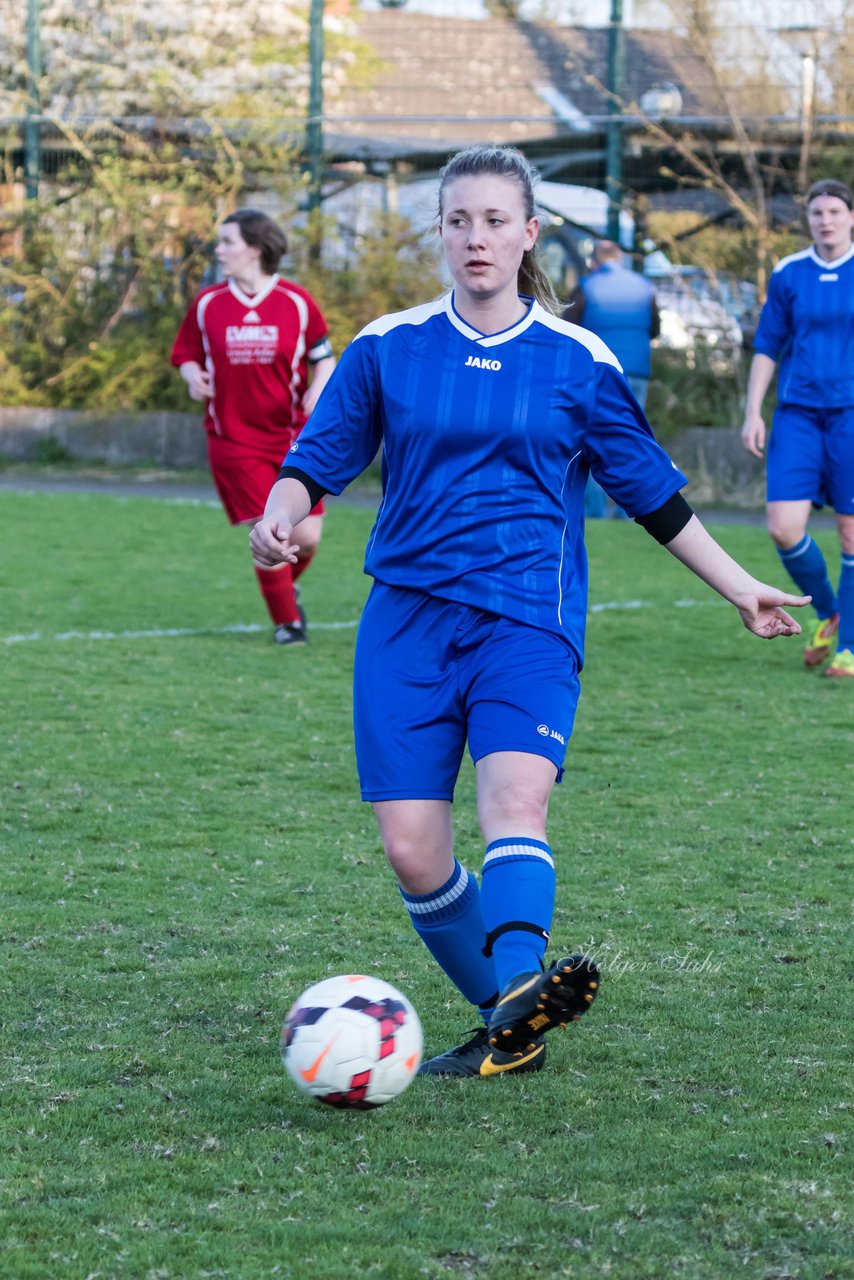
234,255
831,223
485,231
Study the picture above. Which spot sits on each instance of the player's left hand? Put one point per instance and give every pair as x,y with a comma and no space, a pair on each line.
764,615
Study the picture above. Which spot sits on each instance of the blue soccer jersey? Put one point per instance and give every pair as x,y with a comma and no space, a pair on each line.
807,324
487,443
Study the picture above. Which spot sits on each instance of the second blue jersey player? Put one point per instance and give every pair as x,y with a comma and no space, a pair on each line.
807,326
492,413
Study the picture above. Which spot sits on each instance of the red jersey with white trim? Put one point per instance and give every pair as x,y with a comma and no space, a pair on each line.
257,352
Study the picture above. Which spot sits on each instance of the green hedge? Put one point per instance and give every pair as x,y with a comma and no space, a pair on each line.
131,371
56,356
695,389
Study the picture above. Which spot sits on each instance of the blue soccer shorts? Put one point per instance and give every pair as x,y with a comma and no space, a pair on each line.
431,675
811,455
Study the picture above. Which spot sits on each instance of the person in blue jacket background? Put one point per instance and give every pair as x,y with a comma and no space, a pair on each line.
618,305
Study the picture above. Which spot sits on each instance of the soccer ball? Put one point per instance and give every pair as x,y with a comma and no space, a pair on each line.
352,1042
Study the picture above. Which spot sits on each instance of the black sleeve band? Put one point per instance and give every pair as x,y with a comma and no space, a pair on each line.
321,350
315,491
668,520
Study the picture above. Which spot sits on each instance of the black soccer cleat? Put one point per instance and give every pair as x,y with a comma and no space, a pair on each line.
477,1058
534,1003
289,633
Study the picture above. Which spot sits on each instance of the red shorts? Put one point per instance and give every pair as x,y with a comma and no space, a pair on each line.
243,479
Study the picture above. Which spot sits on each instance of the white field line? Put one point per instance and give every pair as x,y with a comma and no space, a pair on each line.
241,628
68,491
647,604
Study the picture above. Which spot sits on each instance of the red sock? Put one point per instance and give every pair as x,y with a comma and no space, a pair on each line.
277,588
301,565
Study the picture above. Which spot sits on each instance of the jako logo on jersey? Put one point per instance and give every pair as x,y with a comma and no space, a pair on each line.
251,333
545,732
828,275
477,363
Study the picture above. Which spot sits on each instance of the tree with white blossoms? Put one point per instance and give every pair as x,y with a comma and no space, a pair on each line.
160,117
150,57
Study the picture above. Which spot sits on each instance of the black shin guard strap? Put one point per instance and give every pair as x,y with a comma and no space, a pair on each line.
513,926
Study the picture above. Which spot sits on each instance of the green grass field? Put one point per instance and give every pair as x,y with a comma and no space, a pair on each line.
184,851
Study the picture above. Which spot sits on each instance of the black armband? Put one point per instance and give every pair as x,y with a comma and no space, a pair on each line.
668,520
320,351
315,490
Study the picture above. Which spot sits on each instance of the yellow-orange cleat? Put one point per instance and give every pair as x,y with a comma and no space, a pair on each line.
821,640
842,665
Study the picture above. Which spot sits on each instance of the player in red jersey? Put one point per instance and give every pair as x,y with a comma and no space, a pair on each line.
256,351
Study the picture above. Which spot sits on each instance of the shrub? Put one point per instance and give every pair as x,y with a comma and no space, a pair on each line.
66,350
694,388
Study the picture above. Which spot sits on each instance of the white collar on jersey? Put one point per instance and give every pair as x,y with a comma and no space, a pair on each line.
829,266
488,339
259,296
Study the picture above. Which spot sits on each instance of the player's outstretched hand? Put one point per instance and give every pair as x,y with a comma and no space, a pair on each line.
270,543
764,615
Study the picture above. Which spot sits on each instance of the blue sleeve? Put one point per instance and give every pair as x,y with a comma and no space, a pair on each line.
621,450
775,321
344,432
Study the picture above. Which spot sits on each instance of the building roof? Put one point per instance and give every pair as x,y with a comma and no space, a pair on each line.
450,81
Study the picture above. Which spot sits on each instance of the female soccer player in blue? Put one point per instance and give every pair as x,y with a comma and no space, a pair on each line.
807,323
491,411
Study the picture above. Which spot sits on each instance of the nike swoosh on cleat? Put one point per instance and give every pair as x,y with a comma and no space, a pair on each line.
510,995
490,1068
309,1073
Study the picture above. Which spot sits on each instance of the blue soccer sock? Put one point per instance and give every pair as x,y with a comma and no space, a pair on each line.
806,566
518,897
846,604
449,923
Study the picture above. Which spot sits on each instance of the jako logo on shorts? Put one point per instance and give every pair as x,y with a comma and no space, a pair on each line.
545,732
